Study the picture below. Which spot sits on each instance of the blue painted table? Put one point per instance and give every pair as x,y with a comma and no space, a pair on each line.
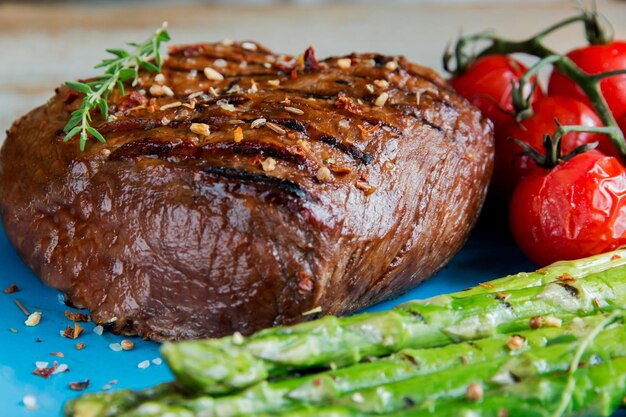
487,255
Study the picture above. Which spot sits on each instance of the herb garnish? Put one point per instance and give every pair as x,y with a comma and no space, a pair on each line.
118,70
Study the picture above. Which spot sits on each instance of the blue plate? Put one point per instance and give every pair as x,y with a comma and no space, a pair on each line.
487,255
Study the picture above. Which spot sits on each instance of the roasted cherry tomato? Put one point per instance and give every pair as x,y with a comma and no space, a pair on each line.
575,210
487,85
511,166
595,59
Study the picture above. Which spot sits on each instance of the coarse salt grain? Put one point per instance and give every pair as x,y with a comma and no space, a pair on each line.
220,63
30,402
156,90
237,338
157,361
168,91
159,78
381,100
344,63
391,65
98,330
33,319
143,364
268,164
249,46
370,88
225,105
200,129
381,83
323,174
115,347
212,74
61,368
127,344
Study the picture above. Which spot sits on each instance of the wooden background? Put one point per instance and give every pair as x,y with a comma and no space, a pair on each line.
44,45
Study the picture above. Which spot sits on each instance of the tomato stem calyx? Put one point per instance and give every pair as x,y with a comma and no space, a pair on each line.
552,145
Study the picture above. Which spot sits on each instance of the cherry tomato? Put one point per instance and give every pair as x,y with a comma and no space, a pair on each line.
487,85
575,210
511,167
595,59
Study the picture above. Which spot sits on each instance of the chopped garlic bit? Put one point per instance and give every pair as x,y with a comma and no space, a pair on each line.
381,83
98,330
274,83
30,402
33,319
237,338
553,321
391,65
127,344
200,129
238,135
159,79
143,364
515,342
381,100
249,46
225,105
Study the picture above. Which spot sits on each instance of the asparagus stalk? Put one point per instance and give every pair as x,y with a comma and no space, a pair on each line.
576,269
221,366
330,386
599,390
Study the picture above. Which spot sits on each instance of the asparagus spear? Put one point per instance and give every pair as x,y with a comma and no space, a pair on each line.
599,390
576,269
330,386
220,366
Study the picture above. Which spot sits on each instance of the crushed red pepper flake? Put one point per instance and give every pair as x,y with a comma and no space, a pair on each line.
487,285
542,271
367,132
80,346
346,103
76,316
58,354
596,303
515,342
567,278
615,257
503,296
306,282
464,359
46,372
503,412
73,333
80,385
12,288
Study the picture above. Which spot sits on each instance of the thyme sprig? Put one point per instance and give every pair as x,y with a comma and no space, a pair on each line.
122,67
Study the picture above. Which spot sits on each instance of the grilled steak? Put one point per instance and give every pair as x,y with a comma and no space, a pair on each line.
242,189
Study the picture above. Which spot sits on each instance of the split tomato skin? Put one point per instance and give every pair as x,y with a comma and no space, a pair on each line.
487,85
511,167
595,59
575,210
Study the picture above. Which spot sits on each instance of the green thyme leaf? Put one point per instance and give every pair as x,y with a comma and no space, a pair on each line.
122,68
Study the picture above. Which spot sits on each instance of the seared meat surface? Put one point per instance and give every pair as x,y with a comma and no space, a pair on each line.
242,189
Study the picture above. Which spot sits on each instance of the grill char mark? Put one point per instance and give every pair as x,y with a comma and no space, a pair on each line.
280,184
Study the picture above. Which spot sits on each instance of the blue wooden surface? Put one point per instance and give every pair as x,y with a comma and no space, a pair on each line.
487,255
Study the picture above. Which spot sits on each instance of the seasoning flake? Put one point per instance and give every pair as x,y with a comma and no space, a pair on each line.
76,316
200,129
276,128
381,100
294,110
33,319
213,74
11,289
474,392
80,385
258,123
315,310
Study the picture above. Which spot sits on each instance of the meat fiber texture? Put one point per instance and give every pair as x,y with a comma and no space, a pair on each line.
291,188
